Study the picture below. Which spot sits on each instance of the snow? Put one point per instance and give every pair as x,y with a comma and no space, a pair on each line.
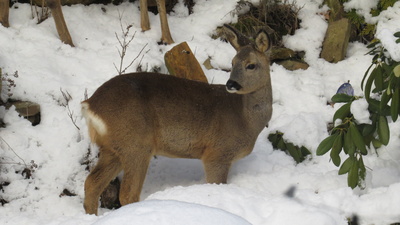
362,8
163,212
359,109
175,190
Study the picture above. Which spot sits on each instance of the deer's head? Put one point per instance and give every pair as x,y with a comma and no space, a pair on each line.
250,66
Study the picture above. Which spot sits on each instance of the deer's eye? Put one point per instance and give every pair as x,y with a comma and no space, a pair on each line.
251,67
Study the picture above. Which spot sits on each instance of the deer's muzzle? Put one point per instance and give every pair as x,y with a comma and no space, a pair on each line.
232,86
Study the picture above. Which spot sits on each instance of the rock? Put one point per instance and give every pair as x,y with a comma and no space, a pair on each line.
207,64
28,110
337,37
336,10
281,53
292,64
110,197
181,62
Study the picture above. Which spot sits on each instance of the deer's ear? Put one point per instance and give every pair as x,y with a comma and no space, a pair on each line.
236,39
262,41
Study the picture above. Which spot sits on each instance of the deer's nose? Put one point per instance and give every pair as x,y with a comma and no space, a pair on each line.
233,86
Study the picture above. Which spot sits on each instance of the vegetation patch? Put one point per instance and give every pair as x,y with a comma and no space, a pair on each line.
277,17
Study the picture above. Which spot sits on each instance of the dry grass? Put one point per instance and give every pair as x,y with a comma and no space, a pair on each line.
277,17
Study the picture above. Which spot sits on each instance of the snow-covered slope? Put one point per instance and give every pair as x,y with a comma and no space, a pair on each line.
55,149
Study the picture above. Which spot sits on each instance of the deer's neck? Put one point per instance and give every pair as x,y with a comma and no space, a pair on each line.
258,107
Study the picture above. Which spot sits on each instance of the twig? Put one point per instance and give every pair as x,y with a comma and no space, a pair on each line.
42,15
9,147
70,113
124,44
85,95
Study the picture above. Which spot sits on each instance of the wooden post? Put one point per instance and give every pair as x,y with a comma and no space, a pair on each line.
181,62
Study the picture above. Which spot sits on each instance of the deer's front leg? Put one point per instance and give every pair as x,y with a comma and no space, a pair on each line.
216,170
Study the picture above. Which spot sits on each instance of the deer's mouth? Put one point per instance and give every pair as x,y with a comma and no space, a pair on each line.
233,86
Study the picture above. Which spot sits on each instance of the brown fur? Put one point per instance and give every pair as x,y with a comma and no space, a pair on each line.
136,116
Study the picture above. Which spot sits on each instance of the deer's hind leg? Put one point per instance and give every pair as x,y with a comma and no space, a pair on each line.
106,169
135,168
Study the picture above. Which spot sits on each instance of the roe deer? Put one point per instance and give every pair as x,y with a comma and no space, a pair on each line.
135,116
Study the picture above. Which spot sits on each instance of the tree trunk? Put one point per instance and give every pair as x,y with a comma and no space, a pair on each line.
4,12
62,29
165,33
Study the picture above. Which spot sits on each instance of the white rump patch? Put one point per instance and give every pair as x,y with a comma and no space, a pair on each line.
93,120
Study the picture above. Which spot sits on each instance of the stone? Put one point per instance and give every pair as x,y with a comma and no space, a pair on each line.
292,64
25,108
281,53
28,110
181,62
207,64
336,10
334,47
110,197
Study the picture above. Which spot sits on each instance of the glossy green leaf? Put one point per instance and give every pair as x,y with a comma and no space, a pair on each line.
384,100
346,166
378,81
394,107
326,144
375,107
305,151
336,149
281,144
352,178
365,76
383,130
357,138
367,129
376,143
396,71
294,152
342,112
341,98
348,144
362,172
370,80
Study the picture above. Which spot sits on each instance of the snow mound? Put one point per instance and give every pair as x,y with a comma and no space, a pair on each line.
170,212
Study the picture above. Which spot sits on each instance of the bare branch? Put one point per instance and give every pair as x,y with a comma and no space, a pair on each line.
67,98
124,42
130,64
9,147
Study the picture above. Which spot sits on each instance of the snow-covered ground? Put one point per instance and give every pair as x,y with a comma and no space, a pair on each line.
174,190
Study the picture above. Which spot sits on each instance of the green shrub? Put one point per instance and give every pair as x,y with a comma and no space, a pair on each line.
298,153
382,92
